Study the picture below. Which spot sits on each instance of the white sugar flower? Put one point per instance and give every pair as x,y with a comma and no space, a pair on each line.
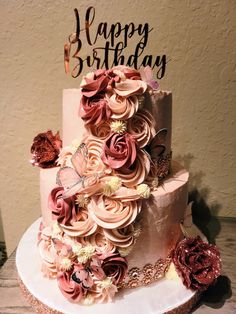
76,247
144,190
118,126
105,283
85,253
111,186
65,264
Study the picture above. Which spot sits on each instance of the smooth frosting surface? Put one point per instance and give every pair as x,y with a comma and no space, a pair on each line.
47,183
73,126
160,219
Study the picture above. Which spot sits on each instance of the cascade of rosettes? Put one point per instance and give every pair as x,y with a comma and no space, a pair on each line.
100,185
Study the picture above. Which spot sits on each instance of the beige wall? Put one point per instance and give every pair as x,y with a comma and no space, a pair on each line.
198,36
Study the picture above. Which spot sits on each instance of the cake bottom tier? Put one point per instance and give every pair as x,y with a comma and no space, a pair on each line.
164,296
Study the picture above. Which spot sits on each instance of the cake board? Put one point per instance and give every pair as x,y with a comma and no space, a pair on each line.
164,296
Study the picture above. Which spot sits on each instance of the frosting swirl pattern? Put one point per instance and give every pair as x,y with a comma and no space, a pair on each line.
141,126
119,150
137,173
109,213
83,226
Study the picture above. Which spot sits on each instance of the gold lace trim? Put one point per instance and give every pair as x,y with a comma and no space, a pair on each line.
150,273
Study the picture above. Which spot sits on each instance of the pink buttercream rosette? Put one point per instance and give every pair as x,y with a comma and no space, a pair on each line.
100,220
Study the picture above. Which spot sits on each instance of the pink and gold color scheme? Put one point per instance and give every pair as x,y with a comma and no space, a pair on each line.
113,209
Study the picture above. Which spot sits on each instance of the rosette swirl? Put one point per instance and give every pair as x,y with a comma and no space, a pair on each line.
63,210
119,150
137,173
115,266
94,82
83,226
141,126
94,110
45,149
69,288
122,108
126,88
102,130
94,162
48,253
123,237
110,213
98,240
127,72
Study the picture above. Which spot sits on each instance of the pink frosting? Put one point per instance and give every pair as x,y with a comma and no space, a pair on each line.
69,288
102,130
129,73
125,194
115,267
119,150
63,210
141,126
94,161
123,237
94,83
110,213
129,87
101,243
83,226
94,110
48,253
137,173
122,108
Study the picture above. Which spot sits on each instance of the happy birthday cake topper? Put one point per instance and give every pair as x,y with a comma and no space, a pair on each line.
117,38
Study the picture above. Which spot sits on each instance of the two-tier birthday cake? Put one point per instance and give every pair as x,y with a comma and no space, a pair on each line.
115,211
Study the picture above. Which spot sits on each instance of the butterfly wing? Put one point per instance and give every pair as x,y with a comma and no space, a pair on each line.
157,144
79,159
83,277
67,177
147,76
96,269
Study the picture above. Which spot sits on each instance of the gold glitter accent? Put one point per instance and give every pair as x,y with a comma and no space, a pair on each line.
150,273
159,170
163,166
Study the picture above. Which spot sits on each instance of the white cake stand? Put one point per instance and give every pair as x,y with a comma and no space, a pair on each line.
164,296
